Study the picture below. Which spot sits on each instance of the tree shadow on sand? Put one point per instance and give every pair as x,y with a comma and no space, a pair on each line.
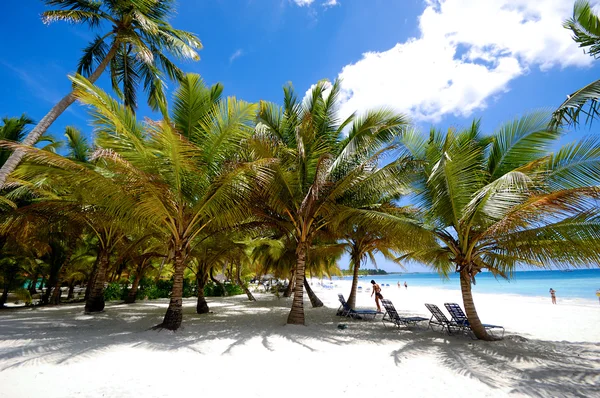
533,368
63,334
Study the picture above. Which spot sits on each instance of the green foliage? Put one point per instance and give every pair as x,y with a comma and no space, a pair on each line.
365,272
114,291
213,290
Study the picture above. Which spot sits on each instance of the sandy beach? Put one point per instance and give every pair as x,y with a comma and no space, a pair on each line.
244,348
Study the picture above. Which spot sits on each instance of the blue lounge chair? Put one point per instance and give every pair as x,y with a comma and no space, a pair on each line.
346,311
460,318
392,316
439,319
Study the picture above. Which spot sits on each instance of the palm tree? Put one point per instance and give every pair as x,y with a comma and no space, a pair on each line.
153,175
502,201
585,25
134,49
316,166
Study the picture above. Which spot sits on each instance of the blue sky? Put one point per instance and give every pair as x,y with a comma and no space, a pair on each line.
444,62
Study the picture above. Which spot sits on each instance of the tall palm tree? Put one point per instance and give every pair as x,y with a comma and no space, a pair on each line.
134,48
316,166
502,201
153,175
585,25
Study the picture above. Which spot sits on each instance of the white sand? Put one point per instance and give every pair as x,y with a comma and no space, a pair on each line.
244,349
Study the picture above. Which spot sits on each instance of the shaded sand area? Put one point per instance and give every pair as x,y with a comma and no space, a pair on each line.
245,349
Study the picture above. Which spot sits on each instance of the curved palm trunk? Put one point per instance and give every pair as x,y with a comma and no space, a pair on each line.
91,279
314,300
470,311
352,297
56,293
4,296
201,304
35,134
242,284
174,314
296,316
130,299
95,301
217,282
290,286
71,292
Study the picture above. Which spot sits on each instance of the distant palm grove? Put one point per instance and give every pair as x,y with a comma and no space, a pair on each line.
218,186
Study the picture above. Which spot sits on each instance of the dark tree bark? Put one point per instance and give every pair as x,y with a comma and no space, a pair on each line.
131,295
91,279
201,304
296,316
174,314
4,295
314,300
216,282
95,301
71,292
290,287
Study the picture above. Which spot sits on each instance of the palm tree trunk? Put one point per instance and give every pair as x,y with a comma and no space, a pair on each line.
95,301
242,284
39,130
70,294
314,300
91,279
56,293
4,295
470,311
352,297
217,282
296,316
174,314
201,305
290,286
130,299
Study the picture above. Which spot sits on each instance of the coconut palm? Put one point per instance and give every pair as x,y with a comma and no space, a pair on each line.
135,49
585,25
316,166
502,201
151,174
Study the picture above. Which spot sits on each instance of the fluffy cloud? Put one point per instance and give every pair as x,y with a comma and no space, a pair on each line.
303,3
467,52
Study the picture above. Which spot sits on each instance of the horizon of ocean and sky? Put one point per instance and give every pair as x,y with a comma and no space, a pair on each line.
580,283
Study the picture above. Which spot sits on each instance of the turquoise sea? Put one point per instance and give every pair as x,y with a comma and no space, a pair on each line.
569,284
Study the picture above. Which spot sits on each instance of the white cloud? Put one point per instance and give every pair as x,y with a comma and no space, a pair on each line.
468,52
303,3
331,3
238,53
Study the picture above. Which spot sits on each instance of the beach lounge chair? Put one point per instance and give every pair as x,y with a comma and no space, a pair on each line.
439,319
460,318
392,316
345,310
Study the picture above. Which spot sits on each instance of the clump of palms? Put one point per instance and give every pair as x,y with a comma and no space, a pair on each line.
318,165
134,48
505,200
178,177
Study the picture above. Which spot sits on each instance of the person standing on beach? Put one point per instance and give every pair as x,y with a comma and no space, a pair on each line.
378,295
398,284
405,285
553,295
598,294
